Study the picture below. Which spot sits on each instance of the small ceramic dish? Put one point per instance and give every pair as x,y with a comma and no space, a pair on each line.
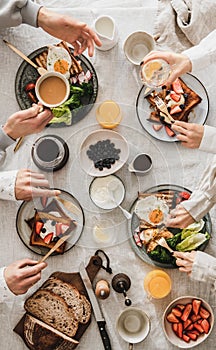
195,329
100,195
103,152
137,46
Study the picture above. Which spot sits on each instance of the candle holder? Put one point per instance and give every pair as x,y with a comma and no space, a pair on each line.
121,283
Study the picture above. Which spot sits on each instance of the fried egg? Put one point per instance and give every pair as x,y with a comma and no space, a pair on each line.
59,60
152,209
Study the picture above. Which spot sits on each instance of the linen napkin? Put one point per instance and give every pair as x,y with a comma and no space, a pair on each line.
181,24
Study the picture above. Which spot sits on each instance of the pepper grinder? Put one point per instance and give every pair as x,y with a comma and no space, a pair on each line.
121,283
102,289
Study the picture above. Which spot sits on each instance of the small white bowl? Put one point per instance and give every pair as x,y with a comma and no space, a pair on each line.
167,326
47,76
137,46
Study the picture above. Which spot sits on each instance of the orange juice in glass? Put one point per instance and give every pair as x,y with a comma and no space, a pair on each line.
157,284
108,114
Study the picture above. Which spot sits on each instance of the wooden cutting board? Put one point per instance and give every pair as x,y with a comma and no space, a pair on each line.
75,279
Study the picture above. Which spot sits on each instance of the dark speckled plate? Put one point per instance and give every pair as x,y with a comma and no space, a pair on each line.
26,74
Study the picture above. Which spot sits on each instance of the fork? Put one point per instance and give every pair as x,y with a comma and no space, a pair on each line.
162,242
163,108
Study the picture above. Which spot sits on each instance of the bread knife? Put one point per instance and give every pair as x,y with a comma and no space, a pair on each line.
95,306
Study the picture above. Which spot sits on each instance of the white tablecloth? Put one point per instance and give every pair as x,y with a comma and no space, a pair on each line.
172,164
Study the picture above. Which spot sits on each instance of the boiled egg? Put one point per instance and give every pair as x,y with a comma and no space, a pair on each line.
152,209
59,60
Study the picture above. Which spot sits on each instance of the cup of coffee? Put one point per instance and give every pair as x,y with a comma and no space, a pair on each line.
133,325
141,164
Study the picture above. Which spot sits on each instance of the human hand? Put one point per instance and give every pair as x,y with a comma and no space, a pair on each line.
189,134
30,184
27,121
68,29
179,63
179,217
22,275
185,261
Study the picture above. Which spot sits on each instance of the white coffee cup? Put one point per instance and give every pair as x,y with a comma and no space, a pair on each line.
141,164
106,30
137,45
133,325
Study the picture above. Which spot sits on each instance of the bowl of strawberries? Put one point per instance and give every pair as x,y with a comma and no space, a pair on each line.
188,321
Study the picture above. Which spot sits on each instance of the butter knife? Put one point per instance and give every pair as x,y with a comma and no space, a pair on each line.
95,306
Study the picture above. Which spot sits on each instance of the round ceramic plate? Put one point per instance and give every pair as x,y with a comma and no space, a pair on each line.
99,191
167,326
27,210
141,251
28,74
102,135
199,116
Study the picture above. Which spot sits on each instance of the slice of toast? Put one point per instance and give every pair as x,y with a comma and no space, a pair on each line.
189,96
51,216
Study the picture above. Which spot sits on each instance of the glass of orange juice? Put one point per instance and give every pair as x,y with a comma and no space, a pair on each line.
108,114
157,284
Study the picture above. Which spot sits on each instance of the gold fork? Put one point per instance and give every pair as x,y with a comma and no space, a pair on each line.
163,108
163,243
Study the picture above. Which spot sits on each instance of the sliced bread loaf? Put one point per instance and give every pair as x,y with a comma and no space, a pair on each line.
79,303
53,310
39,336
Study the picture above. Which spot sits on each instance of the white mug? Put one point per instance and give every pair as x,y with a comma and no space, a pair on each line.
106,30
133,325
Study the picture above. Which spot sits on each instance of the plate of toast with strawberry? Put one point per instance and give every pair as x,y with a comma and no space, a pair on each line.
41,222
186,99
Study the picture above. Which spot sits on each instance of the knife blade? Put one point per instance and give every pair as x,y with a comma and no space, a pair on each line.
95,306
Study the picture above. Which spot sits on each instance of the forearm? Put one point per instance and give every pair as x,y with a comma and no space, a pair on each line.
16,12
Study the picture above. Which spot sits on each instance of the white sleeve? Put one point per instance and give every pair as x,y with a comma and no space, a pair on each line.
204,268
5,293
208,143
7,184
204,53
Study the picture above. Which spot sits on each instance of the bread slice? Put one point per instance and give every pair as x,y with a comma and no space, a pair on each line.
77,302
53,310
43,216
191,100
39,336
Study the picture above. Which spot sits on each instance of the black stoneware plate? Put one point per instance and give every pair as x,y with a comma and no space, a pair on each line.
26,74
26,211
141,251
198,115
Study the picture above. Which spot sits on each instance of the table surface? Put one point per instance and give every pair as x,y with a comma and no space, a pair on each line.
172,164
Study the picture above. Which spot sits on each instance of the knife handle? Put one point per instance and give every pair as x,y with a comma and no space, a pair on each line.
104,335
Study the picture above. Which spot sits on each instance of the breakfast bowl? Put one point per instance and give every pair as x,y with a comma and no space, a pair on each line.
52,89
137,45
188,321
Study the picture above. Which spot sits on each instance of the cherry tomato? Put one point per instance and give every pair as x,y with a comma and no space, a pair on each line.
184,195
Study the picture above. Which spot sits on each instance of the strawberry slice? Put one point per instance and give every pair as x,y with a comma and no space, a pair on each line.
38,227
175,97
180,330
157,127
187,323
48,238
65,227
195,303
176,312
198,327
185,195
180,307
186,338
186,312
172,318
195,318
192,335
58,228
175,327
175,109
205,325
169,131
204,313
176,85
44,201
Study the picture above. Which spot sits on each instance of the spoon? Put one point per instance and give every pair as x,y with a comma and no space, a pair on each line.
112,187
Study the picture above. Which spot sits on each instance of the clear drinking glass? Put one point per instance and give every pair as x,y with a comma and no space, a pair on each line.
155,73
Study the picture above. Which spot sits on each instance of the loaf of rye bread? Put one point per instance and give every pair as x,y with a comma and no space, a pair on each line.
76,301
53,310
192,100
39,336
53,206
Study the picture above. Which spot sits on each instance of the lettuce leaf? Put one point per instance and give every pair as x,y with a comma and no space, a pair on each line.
193,241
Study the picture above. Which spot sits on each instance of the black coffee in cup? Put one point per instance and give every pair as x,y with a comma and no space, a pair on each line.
142,162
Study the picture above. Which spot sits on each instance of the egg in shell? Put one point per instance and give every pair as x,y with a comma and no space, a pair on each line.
152,209
59,60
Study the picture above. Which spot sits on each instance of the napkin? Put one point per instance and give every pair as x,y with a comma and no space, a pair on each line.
181,24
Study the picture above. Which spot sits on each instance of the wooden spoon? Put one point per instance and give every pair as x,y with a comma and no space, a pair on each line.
53,249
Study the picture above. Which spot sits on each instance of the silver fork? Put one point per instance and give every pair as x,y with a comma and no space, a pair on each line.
163,243
163,108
